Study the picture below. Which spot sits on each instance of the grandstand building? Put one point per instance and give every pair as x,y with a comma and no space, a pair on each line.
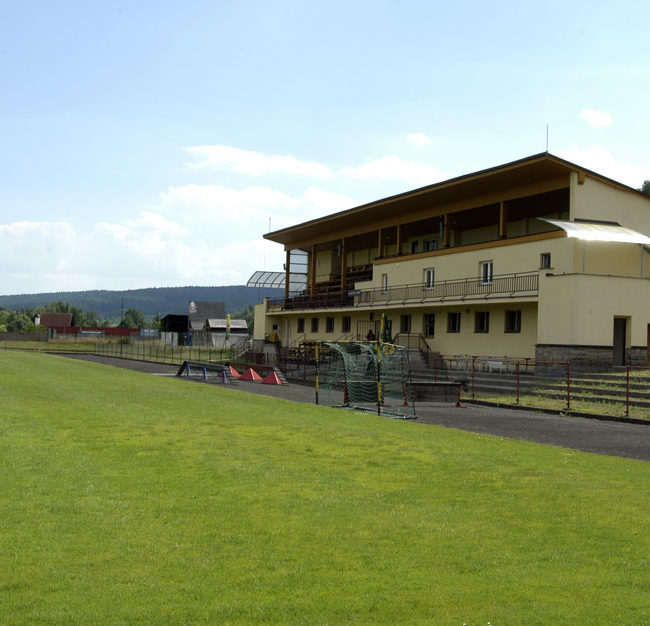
539,258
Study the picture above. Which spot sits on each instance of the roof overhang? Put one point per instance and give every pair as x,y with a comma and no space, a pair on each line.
593,231
529,171
277,280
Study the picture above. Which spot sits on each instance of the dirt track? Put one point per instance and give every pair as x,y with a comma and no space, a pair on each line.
602,437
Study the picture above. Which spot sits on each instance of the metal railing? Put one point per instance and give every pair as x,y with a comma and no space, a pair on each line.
447,290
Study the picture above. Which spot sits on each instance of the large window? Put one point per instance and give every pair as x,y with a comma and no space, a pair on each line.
482,322
486,269
405,324
430,244
301,324
414,246
429,278
453,322
346,324
329,324
314,324
384,283
429,324
513,322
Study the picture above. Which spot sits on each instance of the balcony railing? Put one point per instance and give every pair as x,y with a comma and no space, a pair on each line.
462,289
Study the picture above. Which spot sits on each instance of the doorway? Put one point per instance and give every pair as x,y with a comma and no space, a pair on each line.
620,340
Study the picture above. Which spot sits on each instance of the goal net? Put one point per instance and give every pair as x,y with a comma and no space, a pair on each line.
371,376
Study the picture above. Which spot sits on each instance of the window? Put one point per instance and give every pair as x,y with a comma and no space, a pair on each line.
513,322
301,324
482,322
314,324
405,324
545,260
346,324
453,322
429,278
430,244
429,324
384,283
414,247
329,324
486,268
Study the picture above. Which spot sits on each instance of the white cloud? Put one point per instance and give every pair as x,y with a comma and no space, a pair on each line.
199,234
602,162
596,119
392,167
418,138
228,158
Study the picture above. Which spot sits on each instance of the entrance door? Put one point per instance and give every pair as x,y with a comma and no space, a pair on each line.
620,333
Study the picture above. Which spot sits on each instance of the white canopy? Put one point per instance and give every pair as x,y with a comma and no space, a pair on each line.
592,231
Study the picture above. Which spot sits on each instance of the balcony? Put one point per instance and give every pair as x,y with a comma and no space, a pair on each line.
524,284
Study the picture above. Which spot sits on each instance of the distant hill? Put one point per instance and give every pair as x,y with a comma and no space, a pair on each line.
150,301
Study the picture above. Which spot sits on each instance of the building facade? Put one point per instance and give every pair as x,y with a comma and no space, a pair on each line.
539,258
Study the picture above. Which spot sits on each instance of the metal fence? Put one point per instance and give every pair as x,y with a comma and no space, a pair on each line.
548,385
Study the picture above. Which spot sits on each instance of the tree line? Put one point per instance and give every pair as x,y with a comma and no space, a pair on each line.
23,321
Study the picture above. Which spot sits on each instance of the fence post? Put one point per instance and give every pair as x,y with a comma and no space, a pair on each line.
627,391
517,382
317,368
473,378
568,386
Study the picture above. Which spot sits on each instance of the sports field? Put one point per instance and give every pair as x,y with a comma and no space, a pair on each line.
130,498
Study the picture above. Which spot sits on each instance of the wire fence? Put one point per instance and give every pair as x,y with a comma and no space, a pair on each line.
160,352
550,385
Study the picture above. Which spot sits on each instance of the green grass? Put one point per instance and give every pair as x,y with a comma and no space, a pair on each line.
82,345
595,406
131,499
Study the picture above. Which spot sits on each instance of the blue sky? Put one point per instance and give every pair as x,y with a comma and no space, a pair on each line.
148,143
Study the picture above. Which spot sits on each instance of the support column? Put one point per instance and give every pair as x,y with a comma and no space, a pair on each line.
447,229
399,239
380,243
287,269
503,220
344,264
312,271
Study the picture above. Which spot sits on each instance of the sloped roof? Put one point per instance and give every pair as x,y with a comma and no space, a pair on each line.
55,319
529,170
198,310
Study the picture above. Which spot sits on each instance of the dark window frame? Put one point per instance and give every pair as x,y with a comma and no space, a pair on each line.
482,322
453,321
429,323
512,321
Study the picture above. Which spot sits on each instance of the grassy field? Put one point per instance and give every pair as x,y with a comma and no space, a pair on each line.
132,499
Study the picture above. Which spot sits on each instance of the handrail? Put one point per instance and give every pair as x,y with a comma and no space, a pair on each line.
453,289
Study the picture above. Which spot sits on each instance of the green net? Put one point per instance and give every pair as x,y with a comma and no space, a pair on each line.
371,376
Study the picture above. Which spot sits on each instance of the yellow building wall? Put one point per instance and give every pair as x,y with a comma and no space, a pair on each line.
323,265
524,257
616,259
263,323
579,309
596,200
494,343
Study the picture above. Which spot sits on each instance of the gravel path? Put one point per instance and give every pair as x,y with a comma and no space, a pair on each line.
602,437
